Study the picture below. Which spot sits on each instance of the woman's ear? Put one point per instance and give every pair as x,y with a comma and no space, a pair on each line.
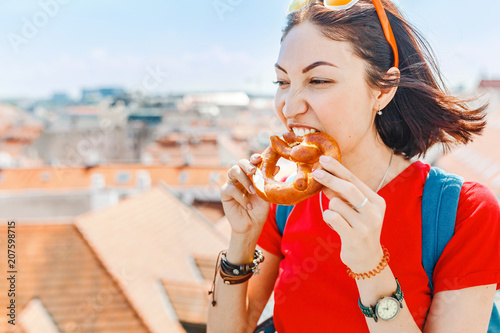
387,94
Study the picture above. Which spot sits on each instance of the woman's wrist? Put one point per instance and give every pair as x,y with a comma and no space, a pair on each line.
370,261
242,248
371,290
372,267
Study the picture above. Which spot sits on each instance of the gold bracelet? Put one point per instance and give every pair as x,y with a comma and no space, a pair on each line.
380,267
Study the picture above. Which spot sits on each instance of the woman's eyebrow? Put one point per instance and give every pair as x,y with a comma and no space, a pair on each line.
308,68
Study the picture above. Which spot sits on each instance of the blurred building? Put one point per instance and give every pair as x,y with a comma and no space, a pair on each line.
60,98
142,265
63,193
480,160
18,130
124,208
179,130
88,135
94,96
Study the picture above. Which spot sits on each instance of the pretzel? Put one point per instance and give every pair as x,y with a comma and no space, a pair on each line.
305,152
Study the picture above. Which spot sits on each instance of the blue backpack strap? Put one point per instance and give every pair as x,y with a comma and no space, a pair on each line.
439,211
494,320
282,211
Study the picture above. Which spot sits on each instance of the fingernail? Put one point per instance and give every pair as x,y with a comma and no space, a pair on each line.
325,158
252,189
250,169
249,206
318,174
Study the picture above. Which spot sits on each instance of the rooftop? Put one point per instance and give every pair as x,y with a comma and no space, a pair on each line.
489,84
148,241
115,175
62,274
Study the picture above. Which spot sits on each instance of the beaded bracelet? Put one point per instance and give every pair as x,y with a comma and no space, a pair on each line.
380,267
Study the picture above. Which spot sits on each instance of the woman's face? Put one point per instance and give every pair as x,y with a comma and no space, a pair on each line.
333,98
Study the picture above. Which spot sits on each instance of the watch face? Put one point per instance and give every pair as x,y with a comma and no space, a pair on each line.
387,308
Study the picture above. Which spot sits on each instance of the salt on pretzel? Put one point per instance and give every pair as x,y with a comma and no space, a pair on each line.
305,152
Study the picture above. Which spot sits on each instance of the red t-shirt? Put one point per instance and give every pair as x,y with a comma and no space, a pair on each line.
313,290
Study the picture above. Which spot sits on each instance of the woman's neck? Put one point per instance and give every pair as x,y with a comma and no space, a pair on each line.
370,164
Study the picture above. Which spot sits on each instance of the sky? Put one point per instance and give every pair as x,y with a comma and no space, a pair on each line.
169,46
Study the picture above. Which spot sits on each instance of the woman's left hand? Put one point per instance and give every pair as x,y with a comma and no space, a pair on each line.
359,229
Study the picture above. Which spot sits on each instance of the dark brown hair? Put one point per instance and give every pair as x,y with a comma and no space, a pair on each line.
422,111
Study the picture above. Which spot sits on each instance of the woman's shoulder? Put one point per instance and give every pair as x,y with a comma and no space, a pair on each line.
473,195
477,199
474,198
471,258
471,192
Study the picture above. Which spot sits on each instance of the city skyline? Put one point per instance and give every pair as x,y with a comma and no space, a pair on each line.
51,46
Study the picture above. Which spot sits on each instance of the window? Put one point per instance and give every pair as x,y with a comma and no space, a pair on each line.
214,177
123,177
183,177
44,176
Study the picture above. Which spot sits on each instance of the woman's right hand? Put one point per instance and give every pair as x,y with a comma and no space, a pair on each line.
244,209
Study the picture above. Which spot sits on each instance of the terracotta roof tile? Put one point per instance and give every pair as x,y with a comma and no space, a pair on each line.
14,148
17,124
211,210
224,227
489,84
63,178
25,134
35,318
58,267
190,301
147,238
17,130
206,265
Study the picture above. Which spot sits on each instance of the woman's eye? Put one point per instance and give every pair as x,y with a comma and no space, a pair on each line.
319,82
279,83
316,82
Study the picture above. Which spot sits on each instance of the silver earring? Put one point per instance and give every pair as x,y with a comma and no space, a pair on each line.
379,112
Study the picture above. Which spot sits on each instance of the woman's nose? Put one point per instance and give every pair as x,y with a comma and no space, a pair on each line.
294,105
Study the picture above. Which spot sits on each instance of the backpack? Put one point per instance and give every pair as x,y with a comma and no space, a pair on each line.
439,210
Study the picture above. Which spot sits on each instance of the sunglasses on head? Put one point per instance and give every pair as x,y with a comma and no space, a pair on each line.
345,4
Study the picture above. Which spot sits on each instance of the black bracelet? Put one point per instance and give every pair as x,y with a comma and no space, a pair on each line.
234,274
241,270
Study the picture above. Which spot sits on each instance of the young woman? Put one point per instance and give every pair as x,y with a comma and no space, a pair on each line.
347,72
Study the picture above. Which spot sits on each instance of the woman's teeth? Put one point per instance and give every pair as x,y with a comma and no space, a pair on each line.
303,131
